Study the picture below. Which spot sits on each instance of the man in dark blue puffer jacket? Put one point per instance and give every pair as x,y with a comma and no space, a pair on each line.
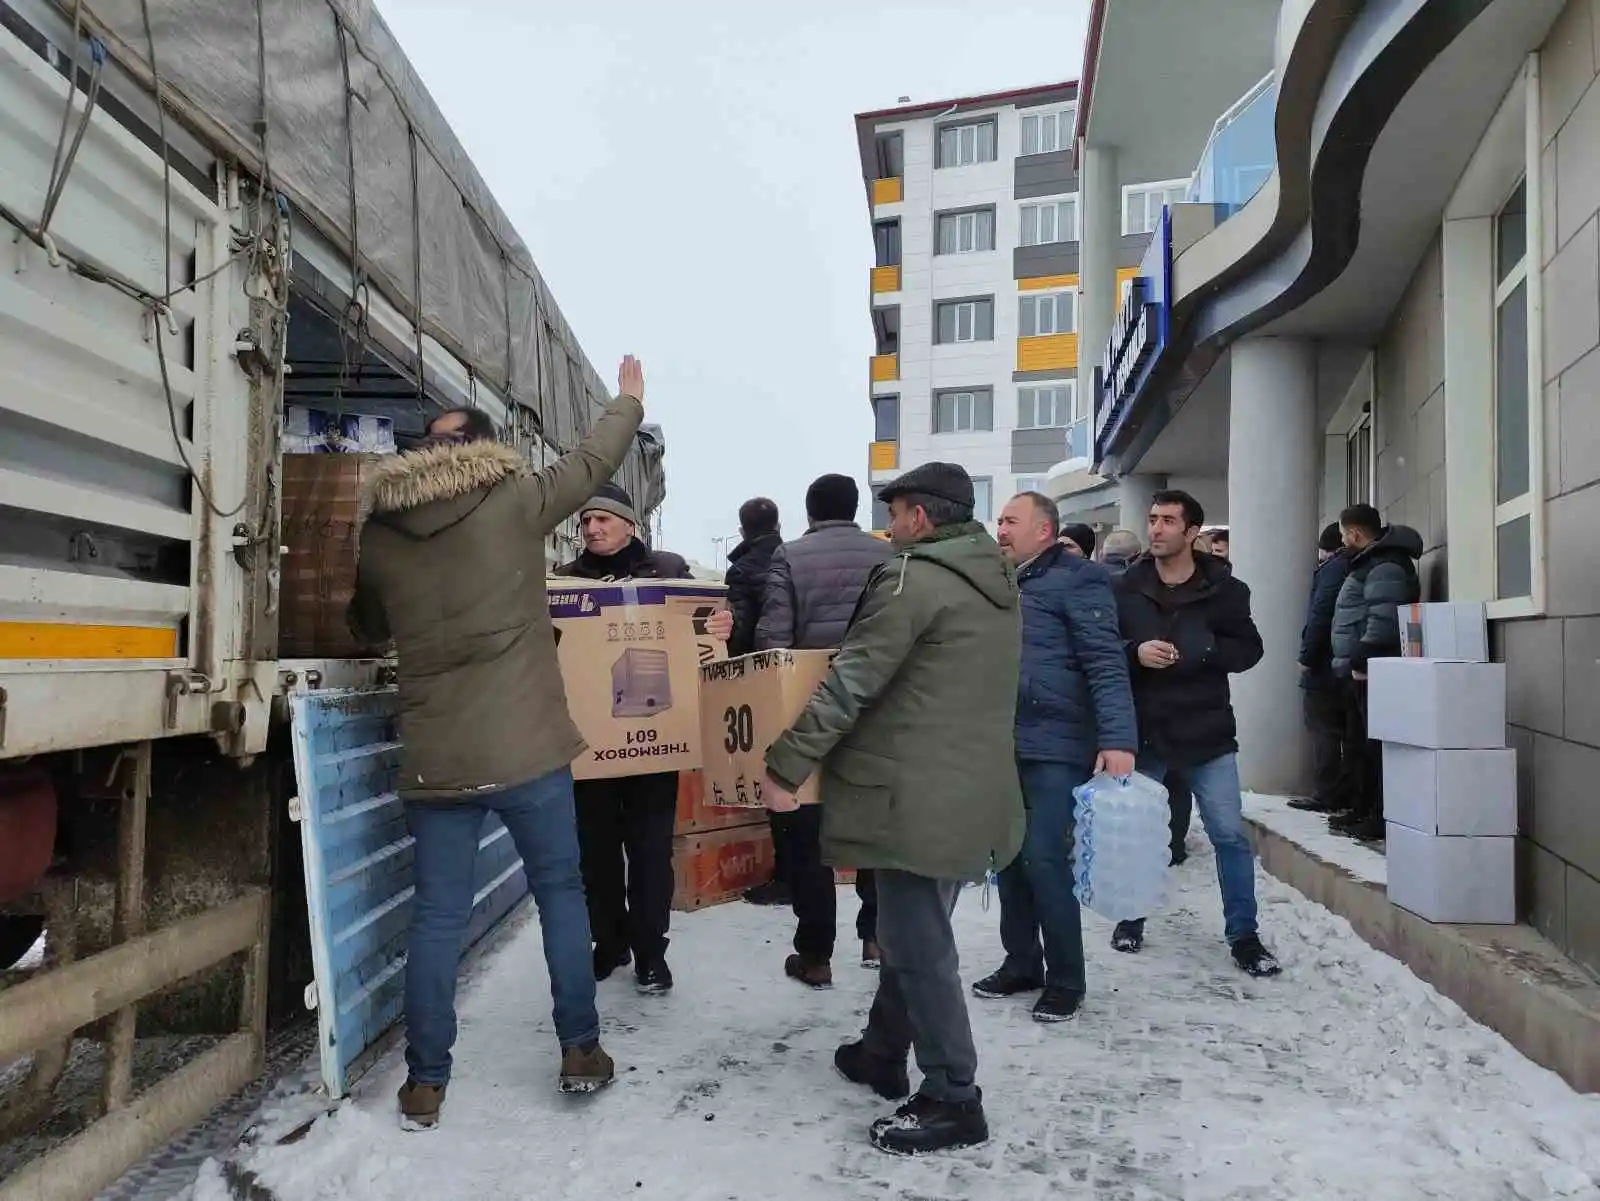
1075,717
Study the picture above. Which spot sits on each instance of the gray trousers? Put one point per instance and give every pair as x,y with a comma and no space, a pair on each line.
920,1001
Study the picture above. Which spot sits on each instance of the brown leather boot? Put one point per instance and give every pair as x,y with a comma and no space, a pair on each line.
586,1069
420,1105
813,973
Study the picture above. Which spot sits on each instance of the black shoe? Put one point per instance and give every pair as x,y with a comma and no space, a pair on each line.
1313,805
923,1125
770,893
1254,958
884,1077
1344,823
1057,1004
653,977
1180,856
609,959
1128,937
1369,829
1006,983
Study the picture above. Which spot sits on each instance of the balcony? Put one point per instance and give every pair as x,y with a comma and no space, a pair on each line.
1051,352
1241,152
885,368
885,279
883,456
888,191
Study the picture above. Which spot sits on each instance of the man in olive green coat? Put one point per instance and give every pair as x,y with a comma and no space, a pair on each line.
912,737
452,569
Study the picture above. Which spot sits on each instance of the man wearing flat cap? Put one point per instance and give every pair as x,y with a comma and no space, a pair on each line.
912,737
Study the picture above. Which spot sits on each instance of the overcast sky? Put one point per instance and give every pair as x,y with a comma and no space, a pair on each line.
686,176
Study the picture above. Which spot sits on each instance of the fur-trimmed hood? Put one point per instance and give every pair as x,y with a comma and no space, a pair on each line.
423,492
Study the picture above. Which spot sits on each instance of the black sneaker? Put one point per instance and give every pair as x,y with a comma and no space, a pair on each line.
770,893
1128,937
1306,804
653,977
609,959
1006,983
1057,1004
922,1126
1369,829
1254,958
1345,823
884,1077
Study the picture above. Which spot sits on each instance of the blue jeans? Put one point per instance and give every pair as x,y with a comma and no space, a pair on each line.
1216,795
1036,889
543,827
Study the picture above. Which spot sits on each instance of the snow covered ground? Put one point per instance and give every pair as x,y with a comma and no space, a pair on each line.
1345,1078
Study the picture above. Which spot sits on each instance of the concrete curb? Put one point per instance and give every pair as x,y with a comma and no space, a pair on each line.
1506,977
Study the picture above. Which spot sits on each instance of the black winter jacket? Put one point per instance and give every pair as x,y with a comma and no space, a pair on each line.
1316,636
1074,698
815,584
1366,619
1186,710
636,561
748,564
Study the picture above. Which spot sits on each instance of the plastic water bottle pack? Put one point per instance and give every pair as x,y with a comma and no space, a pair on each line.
1121,847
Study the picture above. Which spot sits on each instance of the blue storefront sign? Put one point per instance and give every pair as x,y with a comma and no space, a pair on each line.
1138,337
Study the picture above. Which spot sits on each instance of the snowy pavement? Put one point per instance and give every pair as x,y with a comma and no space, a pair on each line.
1345,1078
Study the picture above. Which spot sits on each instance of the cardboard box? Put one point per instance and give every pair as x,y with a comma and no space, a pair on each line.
697,817
321,524
1465,793
710,869
630,662
1449,879
745,703
1453,630
1437,703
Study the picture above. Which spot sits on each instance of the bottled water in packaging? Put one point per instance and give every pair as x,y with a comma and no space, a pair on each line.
1121,846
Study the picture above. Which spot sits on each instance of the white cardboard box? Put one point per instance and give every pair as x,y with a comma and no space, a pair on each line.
1448,879
1440,703
1456,792
1445,630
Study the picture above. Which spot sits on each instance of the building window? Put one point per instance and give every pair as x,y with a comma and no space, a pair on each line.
964,321
964,145
1054,221
886,418
1358,460
983,499
1513,444
1142,204
886,243
880,514
1055,313
1031,483
964,233
1043,133
889,155
963,412
1048,407
1124,293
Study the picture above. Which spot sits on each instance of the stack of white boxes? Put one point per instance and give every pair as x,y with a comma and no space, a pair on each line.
1449,780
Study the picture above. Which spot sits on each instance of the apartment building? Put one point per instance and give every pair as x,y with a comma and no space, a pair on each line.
973,293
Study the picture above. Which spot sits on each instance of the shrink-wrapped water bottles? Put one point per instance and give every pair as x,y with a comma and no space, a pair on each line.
1121,847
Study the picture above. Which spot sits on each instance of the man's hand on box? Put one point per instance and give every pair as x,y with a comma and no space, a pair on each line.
720,624
778,798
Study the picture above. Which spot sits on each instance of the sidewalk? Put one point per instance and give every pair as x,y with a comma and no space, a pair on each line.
1346,1078
1507,977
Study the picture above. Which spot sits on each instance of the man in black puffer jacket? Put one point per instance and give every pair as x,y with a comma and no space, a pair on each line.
1187,625
629,907
1366,625
748,564
813,588
1326,714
